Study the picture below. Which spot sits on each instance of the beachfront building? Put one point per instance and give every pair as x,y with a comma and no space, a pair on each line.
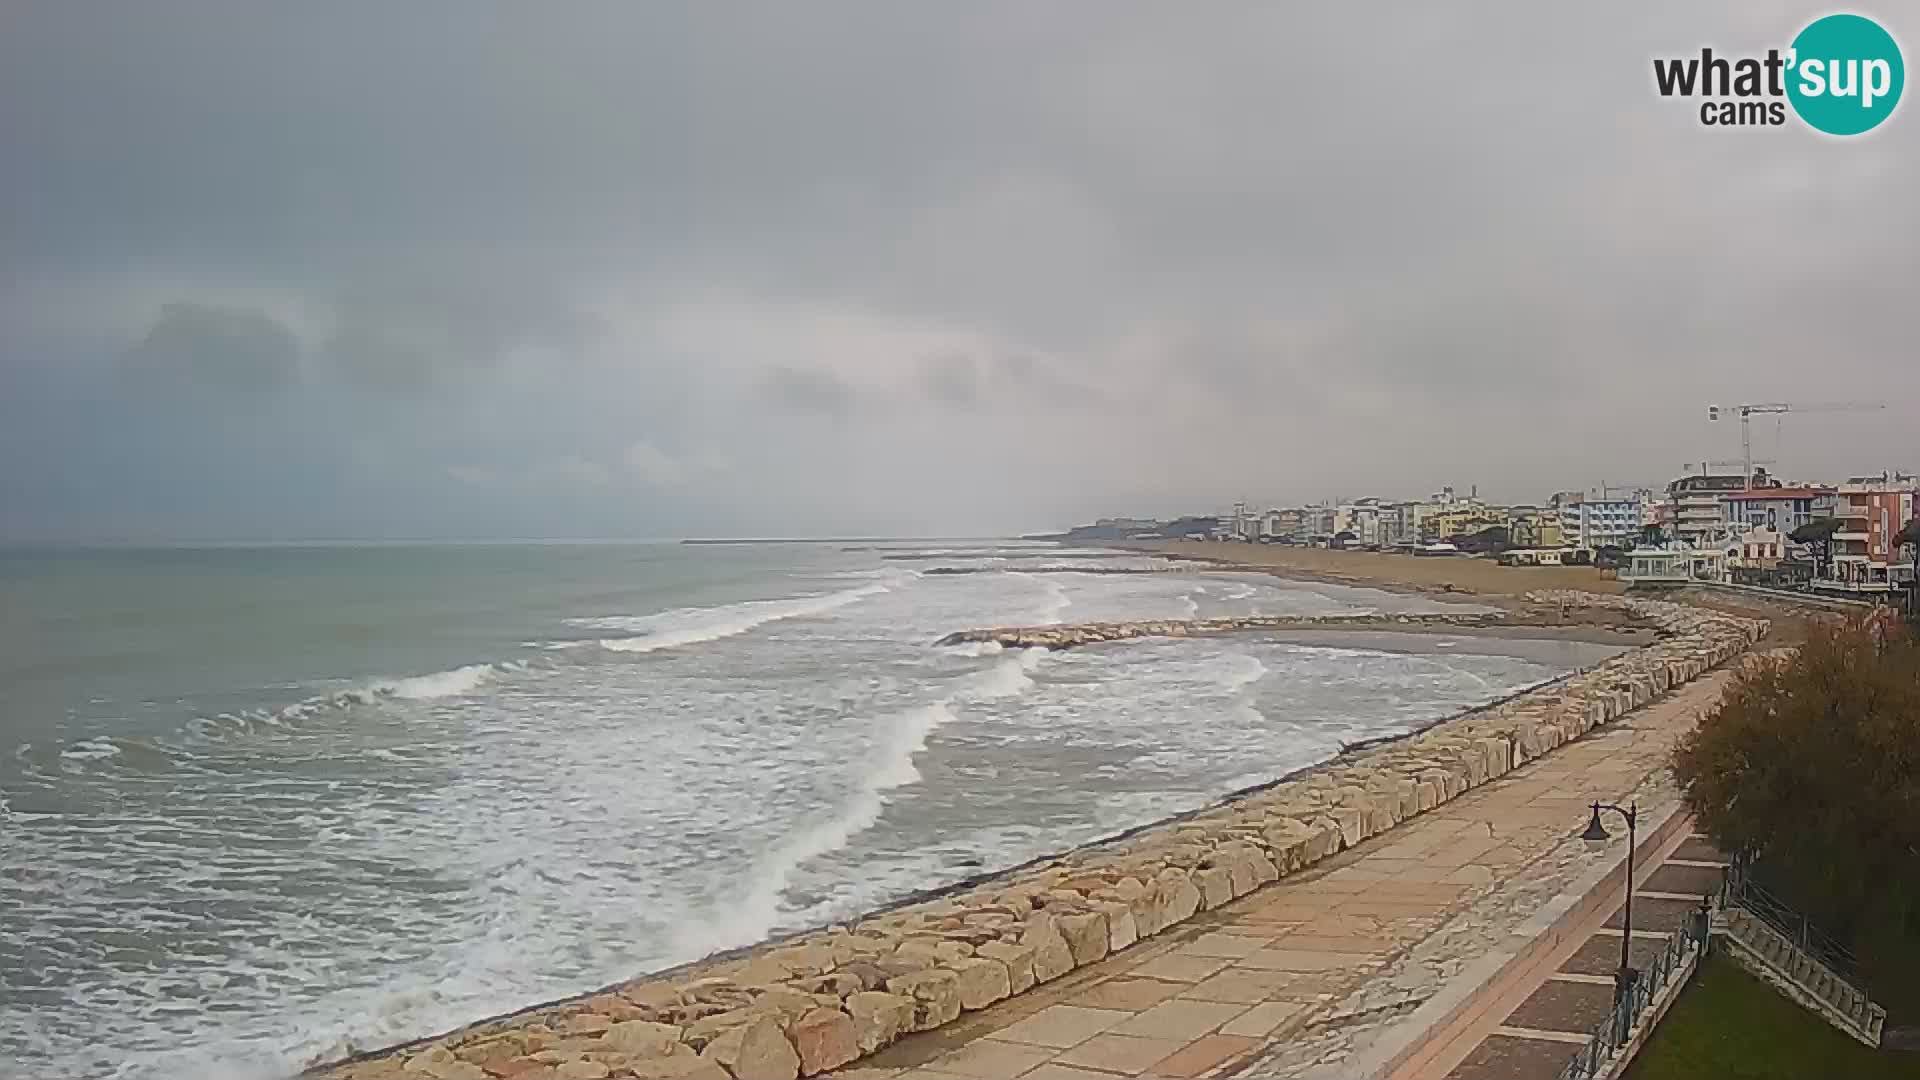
1533,527
1361,518
1674,564
1393,525
1872,509
1463,520
1699,509
1782,508
1603,520
1319,521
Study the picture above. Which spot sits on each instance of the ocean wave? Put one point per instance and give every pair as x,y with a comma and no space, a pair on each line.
455,682
1010,677
975,648
691,626
891,766
1054,604
460,680
94,749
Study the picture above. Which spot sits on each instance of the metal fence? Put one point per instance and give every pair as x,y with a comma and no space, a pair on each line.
1738,887
1614,1031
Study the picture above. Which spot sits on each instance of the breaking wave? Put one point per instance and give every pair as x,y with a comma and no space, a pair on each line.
690,626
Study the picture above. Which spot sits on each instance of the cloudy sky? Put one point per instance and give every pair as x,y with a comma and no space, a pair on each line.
472,270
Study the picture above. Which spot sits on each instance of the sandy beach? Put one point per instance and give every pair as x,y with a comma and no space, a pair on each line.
1384,570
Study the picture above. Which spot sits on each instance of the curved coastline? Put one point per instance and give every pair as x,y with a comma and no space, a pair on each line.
819,999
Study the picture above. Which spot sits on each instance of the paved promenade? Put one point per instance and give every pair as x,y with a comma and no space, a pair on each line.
1326,973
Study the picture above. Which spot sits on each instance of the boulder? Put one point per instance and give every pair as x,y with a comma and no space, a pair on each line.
1121,929
1088,936
983,981
1052,956
683,1066
757,1049
824,1039
1215,884
935,995
880,1018
1017,959
641,1038
1288,839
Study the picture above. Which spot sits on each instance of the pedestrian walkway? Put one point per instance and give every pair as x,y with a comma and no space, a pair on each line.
1557,1011
1369,934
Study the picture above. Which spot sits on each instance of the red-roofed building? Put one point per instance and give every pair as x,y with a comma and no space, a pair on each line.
1873,509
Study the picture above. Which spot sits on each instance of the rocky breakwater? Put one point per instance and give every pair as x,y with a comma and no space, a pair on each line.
820,1000
1071,635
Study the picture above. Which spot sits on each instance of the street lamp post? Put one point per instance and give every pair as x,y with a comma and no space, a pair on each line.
1597,834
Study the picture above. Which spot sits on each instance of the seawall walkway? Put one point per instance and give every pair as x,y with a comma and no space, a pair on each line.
1327,974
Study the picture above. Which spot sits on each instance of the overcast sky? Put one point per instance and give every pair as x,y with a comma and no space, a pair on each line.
470,270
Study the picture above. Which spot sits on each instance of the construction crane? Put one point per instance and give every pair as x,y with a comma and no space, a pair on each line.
1747,412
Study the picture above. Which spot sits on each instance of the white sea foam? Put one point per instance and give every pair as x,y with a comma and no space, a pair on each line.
91,750
461,680
1008,678
689,626
1054,600
976,648
754,916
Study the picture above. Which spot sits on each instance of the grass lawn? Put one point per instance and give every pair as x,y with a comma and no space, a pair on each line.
1728,1024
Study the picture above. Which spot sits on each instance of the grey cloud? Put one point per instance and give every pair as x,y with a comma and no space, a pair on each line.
223,348
807,390
952,380
408,341
1241,239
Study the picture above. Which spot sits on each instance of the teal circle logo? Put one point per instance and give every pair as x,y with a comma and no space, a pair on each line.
1845,74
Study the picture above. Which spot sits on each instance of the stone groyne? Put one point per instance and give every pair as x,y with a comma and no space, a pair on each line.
823,999
1072,635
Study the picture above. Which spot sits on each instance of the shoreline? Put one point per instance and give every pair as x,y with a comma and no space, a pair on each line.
819,999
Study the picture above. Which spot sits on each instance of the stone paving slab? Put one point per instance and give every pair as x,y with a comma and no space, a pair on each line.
1563,1006
1601,955
1649,913
1692,880
1503,1057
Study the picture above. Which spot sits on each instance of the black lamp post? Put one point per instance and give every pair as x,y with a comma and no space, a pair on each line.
1597,834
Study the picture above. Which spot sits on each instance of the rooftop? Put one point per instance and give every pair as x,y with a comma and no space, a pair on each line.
1779,493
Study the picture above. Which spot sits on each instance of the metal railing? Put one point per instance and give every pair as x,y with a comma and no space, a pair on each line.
1739,888
1613,1032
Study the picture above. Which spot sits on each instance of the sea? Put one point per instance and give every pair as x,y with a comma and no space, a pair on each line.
262,806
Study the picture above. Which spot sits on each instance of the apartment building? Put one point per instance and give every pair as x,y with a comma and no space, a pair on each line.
1872,509
1606,520
1781,508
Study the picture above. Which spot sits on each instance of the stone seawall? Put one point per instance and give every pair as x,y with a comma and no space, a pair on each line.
1071,635
825,998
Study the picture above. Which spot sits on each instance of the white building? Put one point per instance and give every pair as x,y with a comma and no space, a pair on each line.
1699,507
1607,520
1782,508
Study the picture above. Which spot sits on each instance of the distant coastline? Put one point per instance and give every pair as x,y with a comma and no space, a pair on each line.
716,540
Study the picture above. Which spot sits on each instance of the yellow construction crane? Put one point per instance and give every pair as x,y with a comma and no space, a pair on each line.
1747,412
